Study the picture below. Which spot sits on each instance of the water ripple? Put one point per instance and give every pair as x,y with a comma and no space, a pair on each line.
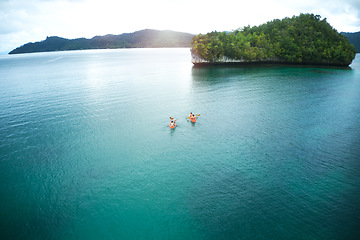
86,151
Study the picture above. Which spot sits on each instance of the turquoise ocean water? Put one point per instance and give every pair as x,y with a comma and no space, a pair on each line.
86,151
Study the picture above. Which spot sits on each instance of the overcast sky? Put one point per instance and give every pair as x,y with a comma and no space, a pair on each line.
23,21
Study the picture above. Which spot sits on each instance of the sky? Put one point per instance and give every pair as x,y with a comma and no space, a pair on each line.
23,21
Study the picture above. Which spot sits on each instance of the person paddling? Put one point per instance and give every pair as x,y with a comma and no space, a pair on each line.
172,123
192,117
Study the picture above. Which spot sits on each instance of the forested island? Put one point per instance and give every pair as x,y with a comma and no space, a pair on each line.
141,39
303,39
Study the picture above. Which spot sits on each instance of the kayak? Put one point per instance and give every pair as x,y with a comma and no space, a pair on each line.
172,127
193,119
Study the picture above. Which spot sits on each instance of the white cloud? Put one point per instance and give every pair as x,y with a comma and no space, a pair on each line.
23,21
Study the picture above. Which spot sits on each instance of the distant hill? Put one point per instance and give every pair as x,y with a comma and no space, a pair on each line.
141,39
354,38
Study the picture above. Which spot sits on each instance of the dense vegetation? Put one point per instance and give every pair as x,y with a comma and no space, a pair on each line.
354,38
140,39
304,39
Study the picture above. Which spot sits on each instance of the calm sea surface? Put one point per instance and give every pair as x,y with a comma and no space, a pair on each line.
86,151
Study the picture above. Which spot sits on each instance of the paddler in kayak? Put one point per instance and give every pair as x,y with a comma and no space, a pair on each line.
192,117
172,123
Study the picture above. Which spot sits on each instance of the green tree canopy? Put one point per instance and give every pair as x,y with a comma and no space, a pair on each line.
303,39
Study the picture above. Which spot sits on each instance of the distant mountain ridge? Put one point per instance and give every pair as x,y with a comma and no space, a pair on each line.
146,38
354,38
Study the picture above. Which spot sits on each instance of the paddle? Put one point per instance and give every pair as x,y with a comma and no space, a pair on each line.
198,115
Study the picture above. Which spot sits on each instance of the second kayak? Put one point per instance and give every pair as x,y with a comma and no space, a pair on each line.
193,119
